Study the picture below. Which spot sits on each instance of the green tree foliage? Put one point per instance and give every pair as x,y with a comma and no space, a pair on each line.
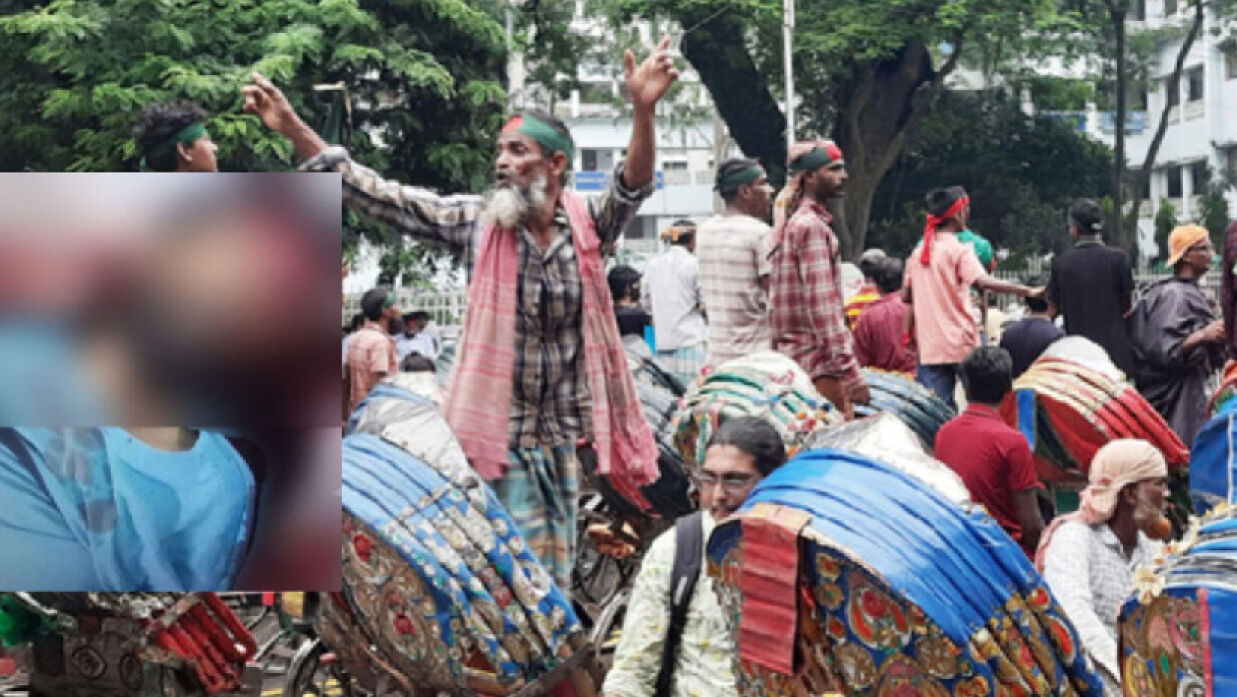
87,69
1022,174
422,78
1165,221
866,72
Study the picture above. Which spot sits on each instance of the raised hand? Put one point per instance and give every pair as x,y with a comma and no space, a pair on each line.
648,82
267,102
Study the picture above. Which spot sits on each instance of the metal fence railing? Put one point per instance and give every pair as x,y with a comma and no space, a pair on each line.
446,308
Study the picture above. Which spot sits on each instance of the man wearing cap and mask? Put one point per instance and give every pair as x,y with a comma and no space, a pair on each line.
540,365
805,292
371,350
733,250
1088,557
172,137
670,292
1176,338
939,275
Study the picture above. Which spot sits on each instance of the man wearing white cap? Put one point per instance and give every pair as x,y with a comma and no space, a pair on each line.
1088,558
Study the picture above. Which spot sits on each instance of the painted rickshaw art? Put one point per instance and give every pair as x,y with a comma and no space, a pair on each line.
891,587
440,592
1177,633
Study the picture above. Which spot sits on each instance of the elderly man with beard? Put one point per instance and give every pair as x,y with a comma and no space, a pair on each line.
1088,558
805,292
540,367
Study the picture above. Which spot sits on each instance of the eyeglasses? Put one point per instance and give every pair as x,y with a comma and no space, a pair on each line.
731,483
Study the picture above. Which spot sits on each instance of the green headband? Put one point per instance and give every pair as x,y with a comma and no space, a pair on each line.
817,158
389,301
543,133
186,135
734,180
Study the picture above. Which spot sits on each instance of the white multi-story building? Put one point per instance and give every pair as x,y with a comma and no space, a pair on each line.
1200,143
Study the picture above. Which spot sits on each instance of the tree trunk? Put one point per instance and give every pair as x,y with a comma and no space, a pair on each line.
739,90
1174,85
1116,13
880,109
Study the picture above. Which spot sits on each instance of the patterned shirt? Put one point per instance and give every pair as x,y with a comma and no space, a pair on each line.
370,358
734,256
706,651
805,297
1087,570
549,396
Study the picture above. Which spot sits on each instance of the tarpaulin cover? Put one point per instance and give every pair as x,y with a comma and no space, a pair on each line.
916,406
763,384
901,591
1067,405
437,581
1213,461
1178,633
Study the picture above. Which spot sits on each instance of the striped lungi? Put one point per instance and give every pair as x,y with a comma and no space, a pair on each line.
684,363
541,491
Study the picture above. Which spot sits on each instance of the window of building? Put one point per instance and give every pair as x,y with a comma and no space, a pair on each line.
676,173
1230,64
1200,174
1173,175
1194,81
1138,10
588,160
1170,8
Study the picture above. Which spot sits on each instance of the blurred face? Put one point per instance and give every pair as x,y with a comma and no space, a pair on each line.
520,161
199,157
829,181
758,197
1199,256
1148,497
725,479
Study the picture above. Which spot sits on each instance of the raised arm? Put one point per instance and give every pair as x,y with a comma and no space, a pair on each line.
446,221
647,84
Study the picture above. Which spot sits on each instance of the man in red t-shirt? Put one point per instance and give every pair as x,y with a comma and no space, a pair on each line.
880,333
992,458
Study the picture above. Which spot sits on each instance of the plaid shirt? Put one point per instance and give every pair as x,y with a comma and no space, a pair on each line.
549,398
805,297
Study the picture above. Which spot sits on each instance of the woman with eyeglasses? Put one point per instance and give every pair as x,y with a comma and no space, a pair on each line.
1177,340
741,452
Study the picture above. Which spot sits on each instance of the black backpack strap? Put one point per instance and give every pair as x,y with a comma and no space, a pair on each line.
688,552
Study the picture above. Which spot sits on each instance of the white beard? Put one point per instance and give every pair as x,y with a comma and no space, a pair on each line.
508,205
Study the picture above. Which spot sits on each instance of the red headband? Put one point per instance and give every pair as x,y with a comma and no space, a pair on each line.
929,230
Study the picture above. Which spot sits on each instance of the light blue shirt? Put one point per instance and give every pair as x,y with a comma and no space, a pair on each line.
95,509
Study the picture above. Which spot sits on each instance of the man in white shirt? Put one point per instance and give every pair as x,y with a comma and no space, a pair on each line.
418,337
670,292
1088,558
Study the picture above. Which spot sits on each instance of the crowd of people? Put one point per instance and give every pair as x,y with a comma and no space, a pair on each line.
540,378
